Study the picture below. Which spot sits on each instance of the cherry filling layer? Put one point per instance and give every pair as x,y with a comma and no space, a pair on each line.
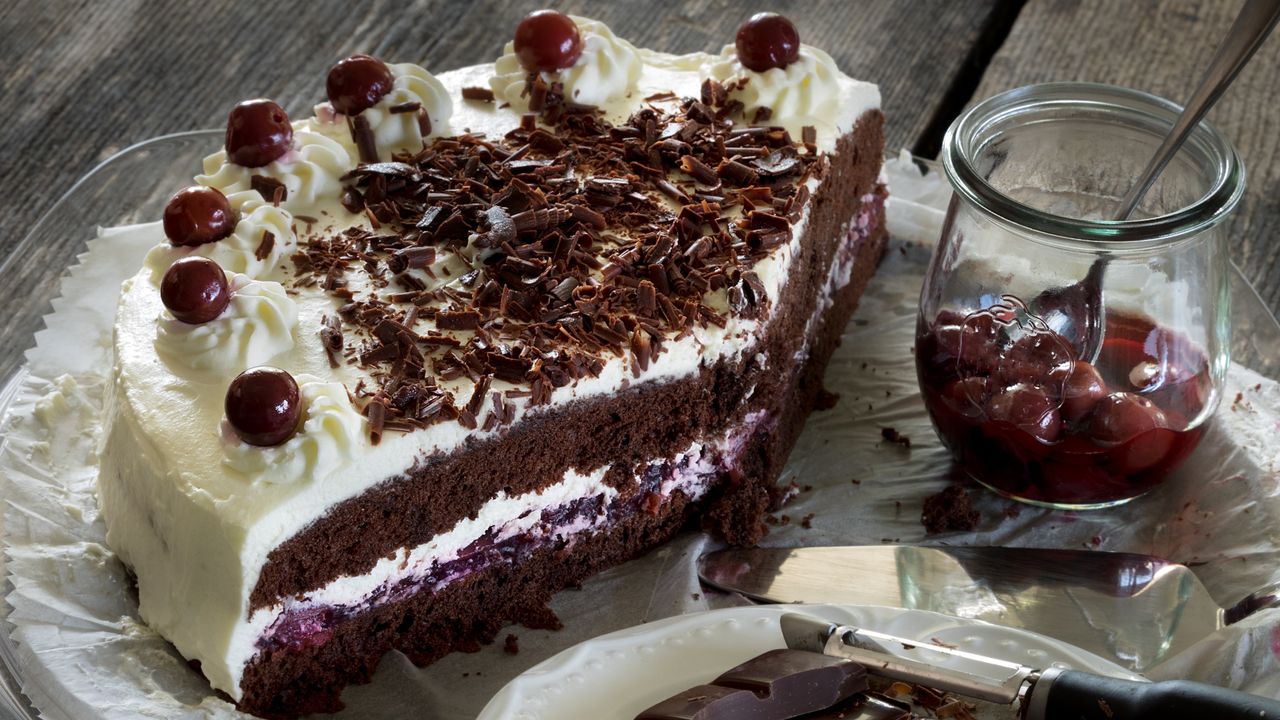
1022,414
307,624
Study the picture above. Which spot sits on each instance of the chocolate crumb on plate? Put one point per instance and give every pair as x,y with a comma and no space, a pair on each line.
511,645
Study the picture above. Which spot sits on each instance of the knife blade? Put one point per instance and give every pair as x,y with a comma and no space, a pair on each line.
1135,609
1051,693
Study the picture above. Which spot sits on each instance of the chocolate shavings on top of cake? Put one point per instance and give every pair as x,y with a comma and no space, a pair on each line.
533,258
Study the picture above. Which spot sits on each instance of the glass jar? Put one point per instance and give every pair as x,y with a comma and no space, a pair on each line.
1067,359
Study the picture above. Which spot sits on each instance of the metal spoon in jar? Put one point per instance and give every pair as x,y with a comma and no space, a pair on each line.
1077,310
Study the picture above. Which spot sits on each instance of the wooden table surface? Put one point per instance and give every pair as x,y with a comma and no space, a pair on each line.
82,80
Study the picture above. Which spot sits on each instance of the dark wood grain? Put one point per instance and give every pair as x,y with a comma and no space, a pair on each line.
82,80
1163,47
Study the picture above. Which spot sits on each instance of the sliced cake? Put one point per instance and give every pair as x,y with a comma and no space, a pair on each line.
396,373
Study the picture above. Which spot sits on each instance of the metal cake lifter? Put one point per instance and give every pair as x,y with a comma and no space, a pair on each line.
1035,693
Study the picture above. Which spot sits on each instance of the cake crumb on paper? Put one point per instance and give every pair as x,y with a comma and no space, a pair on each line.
951,509
892,436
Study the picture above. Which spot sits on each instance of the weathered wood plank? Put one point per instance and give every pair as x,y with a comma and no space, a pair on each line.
84,79
1163,47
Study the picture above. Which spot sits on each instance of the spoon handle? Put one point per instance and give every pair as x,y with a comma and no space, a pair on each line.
1252,25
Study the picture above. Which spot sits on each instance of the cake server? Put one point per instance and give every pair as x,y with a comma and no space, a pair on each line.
1051,693
1135,609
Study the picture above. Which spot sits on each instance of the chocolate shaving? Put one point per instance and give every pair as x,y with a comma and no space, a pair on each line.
502,227
699,170
264,248
541,253
351,200
376,411
400,170
477,395
410,258
424,122
331,338
479,94
405,107
779,162
271,189
737,173
713,93
362,136
458,320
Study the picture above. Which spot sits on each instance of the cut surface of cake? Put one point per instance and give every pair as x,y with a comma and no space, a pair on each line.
476,337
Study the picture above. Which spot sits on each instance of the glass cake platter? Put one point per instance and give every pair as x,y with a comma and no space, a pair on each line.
134,185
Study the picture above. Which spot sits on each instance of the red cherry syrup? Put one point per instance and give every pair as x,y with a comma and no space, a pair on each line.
1023,415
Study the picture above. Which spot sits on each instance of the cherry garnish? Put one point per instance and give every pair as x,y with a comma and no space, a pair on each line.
263,406
358,83
195,290
198,215
767,40
1121,416
1028,407
547,41
258,132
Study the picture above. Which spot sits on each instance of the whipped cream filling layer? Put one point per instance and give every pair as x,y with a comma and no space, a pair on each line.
196,531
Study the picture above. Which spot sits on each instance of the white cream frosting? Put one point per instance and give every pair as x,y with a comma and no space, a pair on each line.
198,534
807,89
237,253
394,132
257,325
607,70
332,432
311,171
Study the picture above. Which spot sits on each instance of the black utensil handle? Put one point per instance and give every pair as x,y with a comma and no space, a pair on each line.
1075,695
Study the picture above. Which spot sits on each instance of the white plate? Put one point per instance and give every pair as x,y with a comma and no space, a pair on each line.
616,676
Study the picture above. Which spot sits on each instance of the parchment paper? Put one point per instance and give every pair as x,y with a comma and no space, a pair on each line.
85,654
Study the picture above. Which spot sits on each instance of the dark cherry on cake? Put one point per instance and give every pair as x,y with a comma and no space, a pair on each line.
547,41
1025,416
258,133
264,406
358,83
766,41
198,215
195,290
